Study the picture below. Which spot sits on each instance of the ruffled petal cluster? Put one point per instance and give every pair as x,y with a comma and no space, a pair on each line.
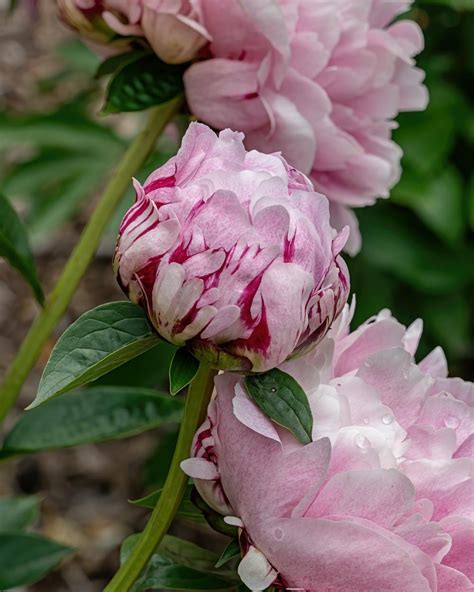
171,27
231,253
382,499
321,81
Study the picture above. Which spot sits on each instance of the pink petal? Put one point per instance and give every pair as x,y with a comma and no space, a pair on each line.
381,496
314,554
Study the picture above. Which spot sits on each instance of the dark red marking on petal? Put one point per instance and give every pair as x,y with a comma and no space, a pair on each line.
195,209
160,183
289,250
149,228
137,210
179,255
259,340
188,318
147,276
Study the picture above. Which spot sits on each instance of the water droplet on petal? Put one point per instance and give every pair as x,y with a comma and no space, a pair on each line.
361,441
406,374
387,419
452,422
368,364
278,534
366,420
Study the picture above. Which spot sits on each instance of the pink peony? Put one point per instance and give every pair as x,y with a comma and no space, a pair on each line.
320,80
170,26
101,21
381,500
231,253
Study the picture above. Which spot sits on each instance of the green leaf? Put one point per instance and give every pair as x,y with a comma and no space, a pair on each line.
149,369
143,83
183,369
16,513
186,510
230,552
282,399
161,573
116,62
26,558
91,415
179,565
14,246
99,341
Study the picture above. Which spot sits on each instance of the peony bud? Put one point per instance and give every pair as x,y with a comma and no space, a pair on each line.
382,497
172,30
100,21
231,254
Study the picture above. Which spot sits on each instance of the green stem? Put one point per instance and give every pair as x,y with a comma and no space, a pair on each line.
77,264
197,400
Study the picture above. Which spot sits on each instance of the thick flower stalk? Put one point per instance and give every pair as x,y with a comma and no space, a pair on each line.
382,497
322,81
231,254
171,27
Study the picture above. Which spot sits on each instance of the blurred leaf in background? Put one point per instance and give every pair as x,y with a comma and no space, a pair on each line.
55,160
418,248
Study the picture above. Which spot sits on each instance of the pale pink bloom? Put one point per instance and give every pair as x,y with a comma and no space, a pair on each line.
231,253
172,29
320,80
381,500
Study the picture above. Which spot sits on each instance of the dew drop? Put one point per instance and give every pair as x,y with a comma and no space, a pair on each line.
278,534
406,374
387,419
366,420
273,390
452,422
361,441
368,364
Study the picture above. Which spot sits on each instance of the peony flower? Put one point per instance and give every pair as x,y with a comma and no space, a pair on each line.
100,21
321,81
170,26
172,29
231,254
381,500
